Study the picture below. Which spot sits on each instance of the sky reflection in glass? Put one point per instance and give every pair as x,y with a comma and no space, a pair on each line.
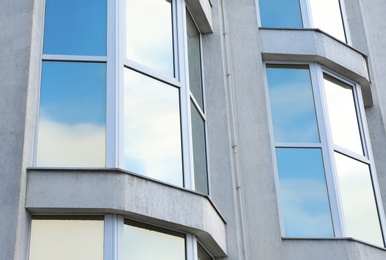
146,244
280,13
66,239
149,34
326,15
342,113
152,135
72,115
75,27
303,192
194,58
199,151
292,104
358,201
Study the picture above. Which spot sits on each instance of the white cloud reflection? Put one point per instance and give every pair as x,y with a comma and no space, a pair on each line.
152,136
326,16
358,201
78,145
149,34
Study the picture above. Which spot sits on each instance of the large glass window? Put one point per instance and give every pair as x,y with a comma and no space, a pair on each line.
135,101
101,237
325,172
63,239
325,15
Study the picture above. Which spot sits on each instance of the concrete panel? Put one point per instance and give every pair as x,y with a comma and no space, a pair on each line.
114,191
202,13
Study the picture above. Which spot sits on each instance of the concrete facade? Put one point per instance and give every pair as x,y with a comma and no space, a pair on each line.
240,219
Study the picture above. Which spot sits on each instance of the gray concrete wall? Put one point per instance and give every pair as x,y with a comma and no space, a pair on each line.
374,23
15,41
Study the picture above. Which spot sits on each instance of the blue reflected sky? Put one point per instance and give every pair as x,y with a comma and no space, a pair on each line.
74,92
292,104
72,115
280,13
75,27
303,190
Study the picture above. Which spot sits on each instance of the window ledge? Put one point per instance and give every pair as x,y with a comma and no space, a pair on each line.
358,249
314,45
113,191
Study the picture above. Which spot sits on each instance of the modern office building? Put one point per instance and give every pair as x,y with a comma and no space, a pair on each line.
192,129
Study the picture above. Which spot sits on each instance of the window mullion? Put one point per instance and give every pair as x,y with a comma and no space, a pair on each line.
306,14
327,150
184,96
112,80
121,53
191,247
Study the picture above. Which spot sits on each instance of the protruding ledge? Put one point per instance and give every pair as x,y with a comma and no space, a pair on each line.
113,191
202,13
313,45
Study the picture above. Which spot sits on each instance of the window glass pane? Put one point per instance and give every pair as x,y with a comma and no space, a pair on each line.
303,191
327,16
194,60
75,27
202,254
280,13
66,239
148,244
342,114
292,104
358,201
152,135
72,115
199,151
149,34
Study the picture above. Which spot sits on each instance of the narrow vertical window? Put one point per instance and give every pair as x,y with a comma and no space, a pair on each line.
73,85
303,189
197,106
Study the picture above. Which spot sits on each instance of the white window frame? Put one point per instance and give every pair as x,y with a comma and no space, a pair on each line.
116,62
327,147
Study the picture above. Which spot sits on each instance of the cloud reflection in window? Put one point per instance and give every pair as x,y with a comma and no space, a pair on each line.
72,115
152,135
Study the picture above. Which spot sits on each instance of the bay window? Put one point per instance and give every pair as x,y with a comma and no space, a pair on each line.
327,180
108,237
122,87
